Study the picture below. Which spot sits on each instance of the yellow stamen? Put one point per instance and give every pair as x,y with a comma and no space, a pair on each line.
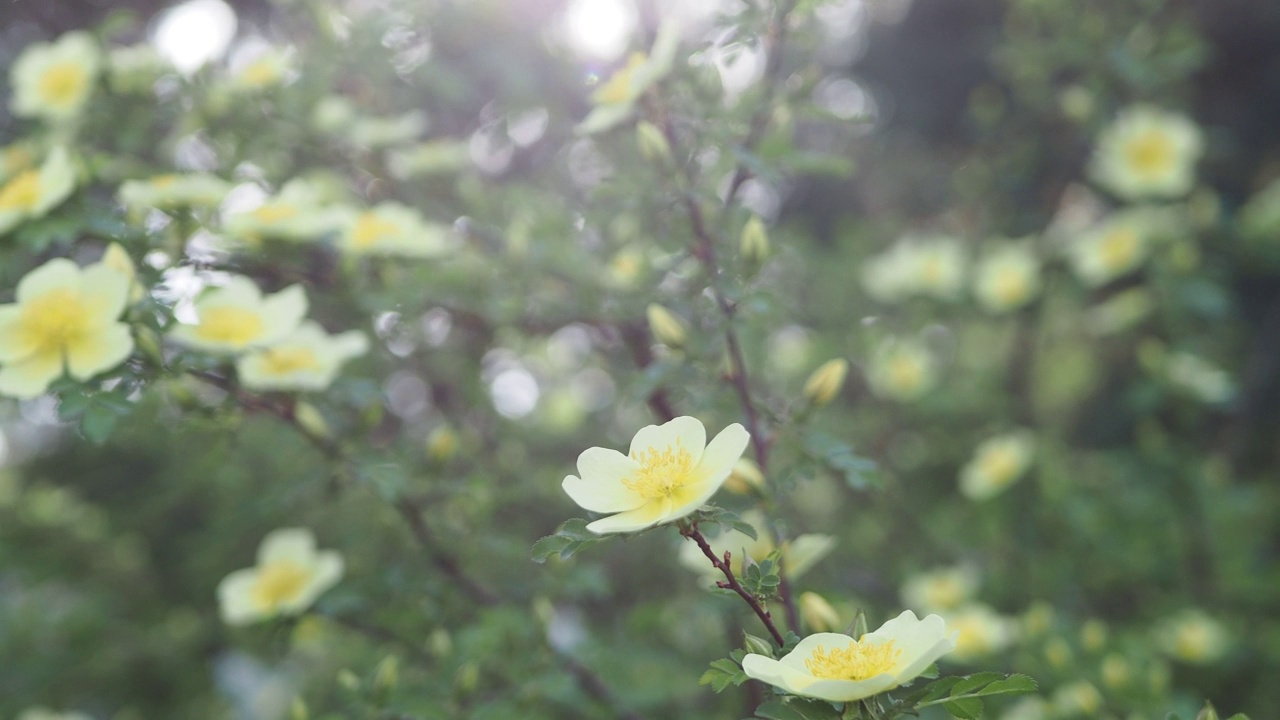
63,84
22,192
289,360
999,464
862,659
905,373
662,473
54,320
1119,248
274,213
230,325
1151,154
370,229
1010,285
278,583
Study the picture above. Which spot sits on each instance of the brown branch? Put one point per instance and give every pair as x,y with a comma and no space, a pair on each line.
731,583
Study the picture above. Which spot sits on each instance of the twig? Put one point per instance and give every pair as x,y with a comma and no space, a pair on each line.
731,583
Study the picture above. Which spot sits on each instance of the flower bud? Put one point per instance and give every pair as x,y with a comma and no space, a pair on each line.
653,144
667,327
440,642
818,613
754,241
826,381
1208,712
745,478
348,680
757,646
442,444
387,674
311,421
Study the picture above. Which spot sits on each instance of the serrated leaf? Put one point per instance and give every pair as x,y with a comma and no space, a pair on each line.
570,538
722,674
797,709
970,683
1012,685
966,709
839,457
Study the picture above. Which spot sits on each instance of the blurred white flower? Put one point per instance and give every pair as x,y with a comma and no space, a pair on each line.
1193,636
394,229
33,192
307,359
997,464
236,317
981,632
165,192
940,589
1007,278
902,370
288,578
54,80
298,213
1199,377
931,266
1113,248
1147,153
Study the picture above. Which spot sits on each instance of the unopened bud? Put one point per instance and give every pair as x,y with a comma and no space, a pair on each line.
756,645
858,627
387,675
311,421
348,680
667,327
745,478
440,642
818,613
754,241
653,144
468,677
442,444
826,381
1208,712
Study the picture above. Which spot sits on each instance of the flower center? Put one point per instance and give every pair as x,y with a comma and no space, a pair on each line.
274,213
905,373
54,320
999,464
661,473
933,271
22,192
63,84
618,88
862,659
260,73
231,325
370,229
289,360
1119,248
1151,153
945,592
279,582
1010,285
164,181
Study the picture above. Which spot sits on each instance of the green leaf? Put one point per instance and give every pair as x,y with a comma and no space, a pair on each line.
569,539
712,514
840,458
797,709
966,709
723,673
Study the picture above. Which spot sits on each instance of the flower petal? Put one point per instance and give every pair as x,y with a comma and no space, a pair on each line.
712,470
326,572
847,690
98,351
915,638
31,375
922,661
56,274
14,343
105,290
281,314
645,516
293,544
235,598
685,430
776,673
600,489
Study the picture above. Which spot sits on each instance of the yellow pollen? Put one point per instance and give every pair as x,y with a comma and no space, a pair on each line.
905,373
260,73
662,473
278,583
1119,248
22,192
63,84
1010,285
862,659
274,213
370,229
289,360
999,465
233,326
618,88
1151,153
54,320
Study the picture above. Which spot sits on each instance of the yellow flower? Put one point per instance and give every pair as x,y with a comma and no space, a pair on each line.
54,80
1147,153
269,68
616,97
236,317
1007,279
980,632
307,359
916,266
798,554
35,191
825,382
1193,636
941,589
394,229
902,370
997,464
64,318
1115,247
838,668
296,213
670,472
288,578
165,192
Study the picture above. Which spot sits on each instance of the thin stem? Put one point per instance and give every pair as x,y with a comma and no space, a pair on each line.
731,582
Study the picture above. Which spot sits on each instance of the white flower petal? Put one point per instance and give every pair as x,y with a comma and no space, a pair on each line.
685,430
57,274
645,516
235,598
105,291
14,343
101,350
295,545
281,313
31,375
600,489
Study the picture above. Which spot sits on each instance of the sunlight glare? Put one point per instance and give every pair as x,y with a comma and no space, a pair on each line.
599,29
194,33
